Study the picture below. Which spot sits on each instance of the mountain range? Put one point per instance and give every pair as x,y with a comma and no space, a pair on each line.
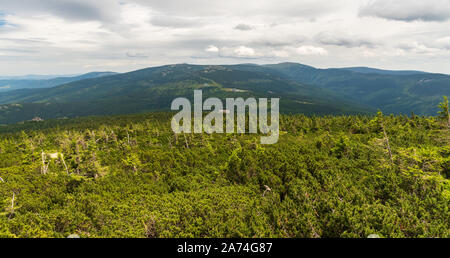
301,89
8,83
390,91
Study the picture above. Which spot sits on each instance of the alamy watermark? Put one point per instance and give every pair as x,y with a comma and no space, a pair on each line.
257,115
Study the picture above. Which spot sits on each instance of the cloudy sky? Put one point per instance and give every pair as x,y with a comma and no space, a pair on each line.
76,36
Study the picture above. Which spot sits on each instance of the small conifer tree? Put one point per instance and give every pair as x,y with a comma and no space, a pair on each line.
444,113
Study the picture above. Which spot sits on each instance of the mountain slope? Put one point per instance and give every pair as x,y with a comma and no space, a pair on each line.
380,71
14,83
35,77
390,92
154,89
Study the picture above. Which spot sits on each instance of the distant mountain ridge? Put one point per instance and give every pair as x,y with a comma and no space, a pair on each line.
302,89
44,81
381,71
154,88
35,77
390,91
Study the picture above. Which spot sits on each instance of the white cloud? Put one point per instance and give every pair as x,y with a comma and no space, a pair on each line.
444,42
174,22
281,53
244,51
212,48
69,36
367,53
238,52
418,48
311,50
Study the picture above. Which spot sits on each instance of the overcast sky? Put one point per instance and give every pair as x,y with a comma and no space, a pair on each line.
76,36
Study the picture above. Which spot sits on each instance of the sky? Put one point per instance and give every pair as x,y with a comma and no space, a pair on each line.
77,36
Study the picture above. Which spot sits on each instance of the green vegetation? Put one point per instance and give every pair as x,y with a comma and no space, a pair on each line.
390,91
303,89
153,89
130,176
444,112
18,83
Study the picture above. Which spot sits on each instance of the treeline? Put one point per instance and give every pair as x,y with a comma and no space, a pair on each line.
130,176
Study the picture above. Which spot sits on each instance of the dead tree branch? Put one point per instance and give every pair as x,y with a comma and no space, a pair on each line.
387,142
11,209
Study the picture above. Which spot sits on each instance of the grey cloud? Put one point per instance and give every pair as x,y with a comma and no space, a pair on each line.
197,42
207,8
136,55
406,46
411,10
276,42
174,7
18,50
66,9
174,22
243,27
24,40
343,40
74,10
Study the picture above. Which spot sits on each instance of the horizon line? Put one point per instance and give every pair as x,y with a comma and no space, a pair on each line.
244,63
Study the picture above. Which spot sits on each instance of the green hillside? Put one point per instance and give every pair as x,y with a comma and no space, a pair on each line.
391,91
154,89
130,176
15,84
302,89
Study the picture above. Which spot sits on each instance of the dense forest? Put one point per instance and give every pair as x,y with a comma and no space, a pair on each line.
131,176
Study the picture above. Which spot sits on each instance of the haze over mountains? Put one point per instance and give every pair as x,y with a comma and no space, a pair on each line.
9,83
302,89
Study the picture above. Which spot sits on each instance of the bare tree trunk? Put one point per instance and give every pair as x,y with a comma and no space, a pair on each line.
387,142
448,118
44,166
267,189
64,162
11,211
185,141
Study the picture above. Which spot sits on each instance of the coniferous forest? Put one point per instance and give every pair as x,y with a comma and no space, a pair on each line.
224,128
131,176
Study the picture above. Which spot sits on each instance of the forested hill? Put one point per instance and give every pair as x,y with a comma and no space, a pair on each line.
30,82
390,91
130,176
381,71
154,89
302,89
